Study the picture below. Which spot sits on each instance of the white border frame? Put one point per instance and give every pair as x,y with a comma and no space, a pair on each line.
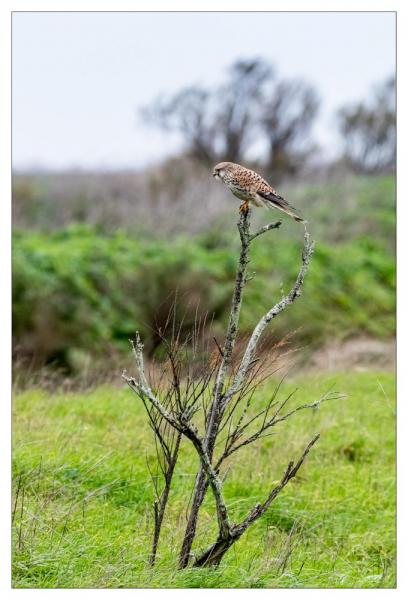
6,8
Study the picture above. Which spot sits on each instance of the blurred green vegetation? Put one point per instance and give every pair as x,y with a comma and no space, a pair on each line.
82,289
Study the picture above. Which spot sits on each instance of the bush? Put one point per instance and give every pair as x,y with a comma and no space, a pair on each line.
78,290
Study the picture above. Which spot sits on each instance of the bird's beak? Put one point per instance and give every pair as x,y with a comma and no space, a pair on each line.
214,174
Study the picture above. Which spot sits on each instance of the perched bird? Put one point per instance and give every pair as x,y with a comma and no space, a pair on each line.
250,187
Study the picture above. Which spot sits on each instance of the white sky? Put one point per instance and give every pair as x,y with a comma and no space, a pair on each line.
79,78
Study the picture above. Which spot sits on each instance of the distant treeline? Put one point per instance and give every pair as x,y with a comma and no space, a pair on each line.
256,112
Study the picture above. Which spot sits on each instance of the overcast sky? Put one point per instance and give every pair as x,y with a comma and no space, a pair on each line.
79,78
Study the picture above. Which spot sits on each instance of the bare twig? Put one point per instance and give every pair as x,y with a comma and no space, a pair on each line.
290,472
160,503
232,447
264,229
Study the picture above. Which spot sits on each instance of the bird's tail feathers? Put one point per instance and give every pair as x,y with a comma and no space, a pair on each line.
281,204
273,200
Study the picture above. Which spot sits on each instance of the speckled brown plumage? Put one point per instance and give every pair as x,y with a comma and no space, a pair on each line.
250,187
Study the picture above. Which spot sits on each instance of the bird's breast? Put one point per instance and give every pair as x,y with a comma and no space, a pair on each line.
239,192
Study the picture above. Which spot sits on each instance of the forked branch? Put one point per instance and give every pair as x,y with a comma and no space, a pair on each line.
222,398
217,409
214,553
263,323
230,410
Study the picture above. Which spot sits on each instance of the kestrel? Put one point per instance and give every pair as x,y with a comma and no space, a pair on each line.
250,187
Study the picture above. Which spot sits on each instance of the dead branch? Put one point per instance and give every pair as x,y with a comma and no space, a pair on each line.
167,444
217,407
181,422
267,318
221,398
231,446
178,397
213,555
264,229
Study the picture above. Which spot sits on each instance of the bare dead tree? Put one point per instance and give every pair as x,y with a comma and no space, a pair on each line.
253,106
287,118
228,422
239,102
215,123
221,398
369,131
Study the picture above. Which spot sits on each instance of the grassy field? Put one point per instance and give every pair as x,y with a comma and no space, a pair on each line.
83,495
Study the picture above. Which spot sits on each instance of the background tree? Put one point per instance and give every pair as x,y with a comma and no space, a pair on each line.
369,131
239,105
251,110
288,115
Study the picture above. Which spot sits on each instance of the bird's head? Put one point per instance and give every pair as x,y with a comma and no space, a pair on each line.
222,169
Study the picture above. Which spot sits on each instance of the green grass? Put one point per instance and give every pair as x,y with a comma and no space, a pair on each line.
82,512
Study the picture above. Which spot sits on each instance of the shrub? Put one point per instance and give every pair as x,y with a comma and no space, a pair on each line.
79,289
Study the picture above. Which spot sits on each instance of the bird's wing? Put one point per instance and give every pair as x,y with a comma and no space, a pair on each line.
263,187
268,193
272,196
